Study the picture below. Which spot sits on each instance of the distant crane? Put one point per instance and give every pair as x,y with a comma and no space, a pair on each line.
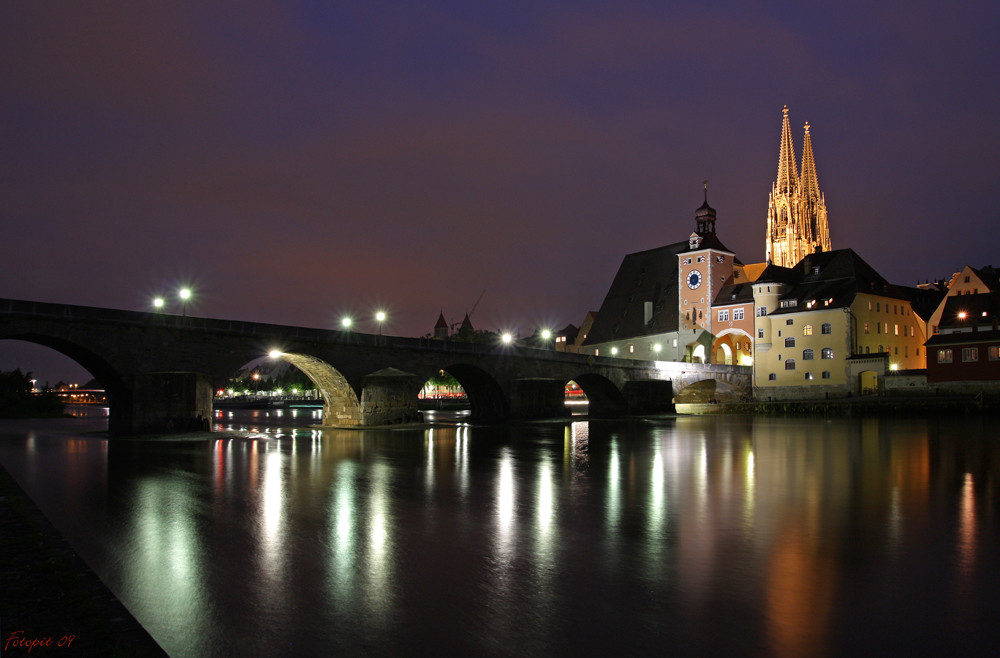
468,314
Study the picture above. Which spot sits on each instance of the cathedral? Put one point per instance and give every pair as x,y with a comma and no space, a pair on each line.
796,210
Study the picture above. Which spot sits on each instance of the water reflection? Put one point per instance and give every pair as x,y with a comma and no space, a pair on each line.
707,535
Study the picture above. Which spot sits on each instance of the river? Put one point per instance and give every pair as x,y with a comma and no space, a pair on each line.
728,535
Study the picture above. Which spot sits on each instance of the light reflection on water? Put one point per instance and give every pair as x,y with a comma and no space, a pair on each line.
690,535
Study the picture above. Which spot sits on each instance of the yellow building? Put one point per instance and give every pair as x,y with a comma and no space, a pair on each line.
831,326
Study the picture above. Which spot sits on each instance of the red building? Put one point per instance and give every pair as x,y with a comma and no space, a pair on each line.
967,347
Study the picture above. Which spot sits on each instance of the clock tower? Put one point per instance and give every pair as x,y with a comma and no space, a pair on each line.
702,269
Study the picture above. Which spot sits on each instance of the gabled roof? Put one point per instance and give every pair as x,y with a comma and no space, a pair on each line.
990,276
829,279
965,312
734,293
649,275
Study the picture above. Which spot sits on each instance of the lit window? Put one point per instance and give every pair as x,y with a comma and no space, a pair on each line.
827,328
807,330
631,349
809,376
807,354
994,353
970,354
896,329
790,364
944,356
868,328
826,353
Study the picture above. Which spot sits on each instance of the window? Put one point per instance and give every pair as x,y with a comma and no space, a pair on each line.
868,328
878,327
790,341
760,333
878,306
790,364
720,259
809,376
772,377
970,354
826,374
788,303
827,328
896,329
868,350
789,321
994,353
761,311
737,314
687,261
631,349
944,356
701,259
826,353
724,315
807,355
807,330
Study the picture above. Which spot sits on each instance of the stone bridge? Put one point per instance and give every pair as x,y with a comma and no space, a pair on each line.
160,371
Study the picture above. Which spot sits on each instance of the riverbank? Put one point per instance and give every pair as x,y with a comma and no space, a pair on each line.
48,593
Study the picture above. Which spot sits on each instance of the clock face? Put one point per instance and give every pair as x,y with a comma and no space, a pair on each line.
694,279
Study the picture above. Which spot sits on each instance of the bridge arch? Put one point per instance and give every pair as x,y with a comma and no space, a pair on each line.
603,395
340,402
487,401
116,391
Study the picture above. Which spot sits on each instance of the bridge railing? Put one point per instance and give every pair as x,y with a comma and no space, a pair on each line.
12,308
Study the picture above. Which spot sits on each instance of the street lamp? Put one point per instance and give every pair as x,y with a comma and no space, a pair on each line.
256,378
158,303
185,295
345,322
380,318
507,338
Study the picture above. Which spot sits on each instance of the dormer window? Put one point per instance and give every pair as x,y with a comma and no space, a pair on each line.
694,241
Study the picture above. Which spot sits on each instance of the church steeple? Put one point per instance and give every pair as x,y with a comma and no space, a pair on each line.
787,179
809,180
796,214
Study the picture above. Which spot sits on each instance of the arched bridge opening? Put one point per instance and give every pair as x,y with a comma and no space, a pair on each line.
117,392
340,402
605,399
487,401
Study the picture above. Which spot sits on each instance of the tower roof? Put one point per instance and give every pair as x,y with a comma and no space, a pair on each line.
787,179
809,180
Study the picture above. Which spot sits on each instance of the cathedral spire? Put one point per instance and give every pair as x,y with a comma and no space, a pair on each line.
809,180
787,171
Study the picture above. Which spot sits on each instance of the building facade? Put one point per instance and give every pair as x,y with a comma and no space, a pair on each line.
831,327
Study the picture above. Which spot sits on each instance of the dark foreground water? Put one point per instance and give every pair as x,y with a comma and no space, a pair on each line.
676,536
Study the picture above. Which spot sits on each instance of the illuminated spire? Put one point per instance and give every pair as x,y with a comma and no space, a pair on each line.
787,177
809,180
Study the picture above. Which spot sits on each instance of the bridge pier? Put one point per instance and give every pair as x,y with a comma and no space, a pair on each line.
388,398
537,397
652,396
166,402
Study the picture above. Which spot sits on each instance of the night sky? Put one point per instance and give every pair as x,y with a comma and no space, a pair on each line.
294,161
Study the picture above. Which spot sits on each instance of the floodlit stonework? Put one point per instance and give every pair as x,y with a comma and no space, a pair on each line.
796,211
